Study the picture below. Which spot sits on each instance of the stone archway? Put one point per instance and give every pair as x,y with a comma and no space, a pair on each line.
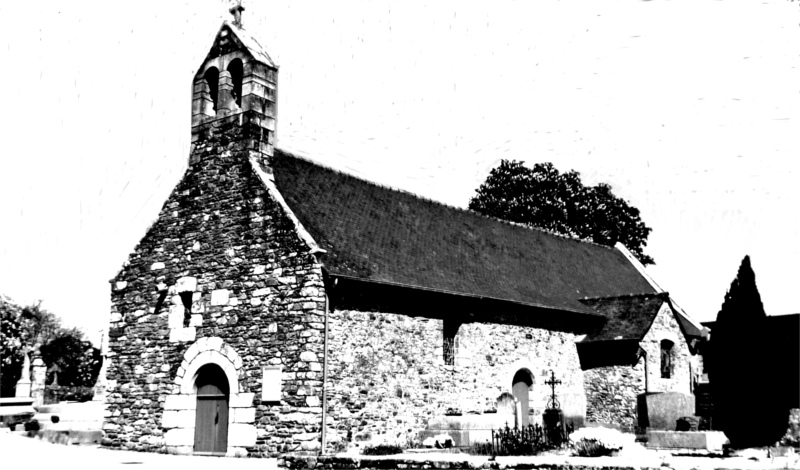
181,407
521,386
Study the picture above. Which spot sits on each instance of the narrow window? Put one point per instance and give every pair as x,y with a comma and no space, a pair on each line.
212,79
186,299
666,359
450,341
237,74
162,295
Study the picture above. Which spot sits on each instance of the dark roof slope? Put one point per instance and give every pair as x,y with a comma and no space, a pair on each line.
689,328
627,317
380,234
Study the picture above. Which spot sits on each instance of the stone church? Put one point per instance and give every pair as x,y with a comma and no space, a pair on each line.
277,306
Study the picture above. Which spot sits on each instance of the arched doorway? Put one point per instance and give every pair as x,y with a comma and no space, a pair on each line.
211,422
521,386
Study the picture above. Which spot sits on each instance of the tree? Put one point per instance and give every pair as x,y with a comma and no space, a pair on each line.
546,198
24,329
11,355
39,326
75,360
746,407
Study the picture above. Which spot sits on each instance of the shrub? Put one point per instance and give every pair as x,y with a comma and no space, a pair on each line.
382,449
596,442
687,423
480,448
32,425
55,419
591,448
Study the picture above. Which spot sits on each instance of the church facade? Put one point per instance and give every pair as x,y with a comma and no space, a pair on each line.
280,307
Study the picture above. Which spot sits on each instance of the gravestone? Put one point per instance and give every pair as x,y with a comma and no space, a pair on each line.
100,384
553,417
661,411
23,388
38,382
507,408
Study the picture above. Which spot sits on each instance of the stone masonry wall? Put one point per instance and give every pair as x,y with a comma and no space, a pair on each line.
257,301
388,376
611,394
665,326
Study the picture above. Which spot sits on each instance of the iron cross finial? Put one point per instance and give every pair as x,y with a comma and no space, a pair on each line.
236,11
554,404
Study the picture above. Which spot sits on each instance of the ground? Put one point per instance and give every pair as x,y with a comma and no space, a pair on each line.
21,451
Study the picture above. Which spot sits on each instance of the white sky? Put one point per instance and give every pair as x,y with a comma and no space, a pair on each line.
688,108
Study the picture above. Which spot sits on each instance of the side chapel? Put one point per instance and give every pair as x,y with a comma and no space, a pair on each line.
277,306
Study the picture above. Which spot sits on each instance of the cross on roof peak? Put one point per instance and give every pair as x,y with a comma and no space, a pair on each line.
236,10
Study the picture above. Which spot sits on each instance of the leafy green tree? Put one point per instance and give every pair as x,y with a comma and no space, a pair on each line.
546,198
741,374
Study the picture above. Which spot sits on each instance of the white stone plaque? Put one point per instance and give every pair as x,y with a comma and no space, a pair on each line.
271,383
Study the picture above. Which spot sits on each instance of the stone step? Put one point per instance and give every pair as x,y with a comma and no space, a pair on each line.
51,409
71,437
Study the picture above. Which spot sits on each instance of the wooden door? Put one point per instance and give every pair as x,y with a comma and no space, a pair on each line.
211,423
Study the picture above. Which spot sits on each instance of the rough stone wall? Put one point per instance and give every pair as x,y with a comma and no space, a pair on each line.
388,377
257,300
611,394
665,326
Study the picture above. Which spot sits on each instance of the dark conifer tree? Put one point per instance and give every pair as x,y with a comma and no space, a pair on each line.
740,370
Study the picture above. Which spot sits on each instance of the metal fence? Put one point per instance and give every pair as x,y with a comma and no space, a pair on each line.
529,440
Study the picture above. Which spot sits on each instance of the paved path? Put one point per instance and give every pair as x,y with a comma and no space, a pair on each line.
22,452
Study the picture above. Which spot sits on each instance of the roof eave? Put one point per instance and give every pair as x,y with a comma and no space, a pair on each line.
376,295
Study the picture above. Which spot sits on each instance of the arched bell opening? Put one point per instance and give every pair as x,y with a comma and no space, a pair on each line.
236,69
212,80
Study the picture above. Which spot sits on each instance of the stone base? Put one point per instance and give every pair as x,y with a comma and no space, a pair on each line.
71,437
14,410
468,429
23,389
693,440
661,410
232,451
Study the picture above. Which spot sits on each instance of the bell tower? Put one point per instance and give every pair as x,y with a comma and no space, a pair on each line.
236,85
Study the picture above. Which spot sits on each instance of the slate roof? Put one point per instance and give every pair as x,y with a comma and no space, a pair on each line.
375,233
251,44
689,328
627,317
231,37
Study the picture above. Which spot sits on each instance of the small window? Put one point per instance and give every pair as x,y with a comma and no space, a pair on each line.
667,359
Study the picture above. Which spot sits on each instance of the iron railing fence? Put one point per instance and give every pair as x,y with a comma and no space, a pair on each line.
529,440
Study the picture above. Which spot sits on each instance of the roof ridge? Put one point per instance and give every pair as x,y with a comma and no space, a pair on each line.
627,296
308,159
